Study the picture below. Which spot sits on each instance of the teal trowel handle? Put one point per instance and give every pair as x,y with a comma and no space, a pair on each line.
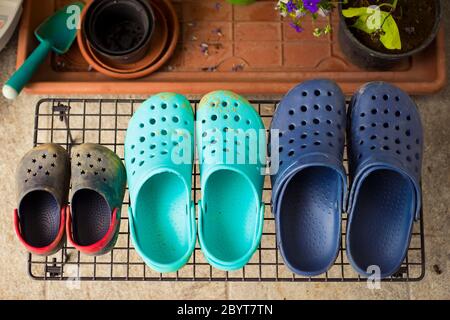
21,77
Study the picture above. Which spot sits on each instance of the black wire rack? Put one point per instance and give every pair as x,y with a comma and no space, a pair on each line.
69,122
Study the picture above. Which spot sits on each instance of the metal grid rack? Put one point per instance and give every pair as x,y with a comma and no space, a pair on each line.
73,121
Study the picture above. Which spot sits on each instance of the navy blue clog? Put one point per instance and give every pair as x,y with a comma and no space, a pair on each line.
385,154
309,185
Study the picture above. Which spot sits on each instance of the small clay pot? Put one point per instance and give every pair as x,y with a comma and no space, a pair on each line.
119,30
365,57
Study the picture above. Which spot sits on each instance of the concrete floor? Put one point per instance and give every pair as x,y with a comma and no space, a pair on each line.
16,129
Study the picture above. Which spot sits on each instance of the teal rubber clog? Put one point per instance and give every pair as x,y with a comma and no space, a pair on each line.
159,149
232,149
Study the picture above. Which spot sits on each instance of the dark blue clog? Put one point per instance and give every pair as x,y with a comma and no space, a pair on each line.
309,185
385,154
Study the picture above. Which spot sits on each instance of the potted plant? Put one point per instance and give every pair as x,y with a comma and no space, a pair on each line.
241,2
380,33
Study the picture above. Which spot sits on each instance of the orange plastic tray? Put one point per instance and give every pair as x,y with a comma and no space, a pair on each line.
250,51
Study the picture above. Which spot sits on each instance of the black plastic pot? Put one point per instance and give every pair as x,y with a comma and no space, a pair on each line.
367,58
119,30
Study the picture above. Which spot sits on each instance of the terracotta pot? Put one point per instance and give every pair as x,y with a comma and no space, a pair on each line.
173,34
365,57
119,30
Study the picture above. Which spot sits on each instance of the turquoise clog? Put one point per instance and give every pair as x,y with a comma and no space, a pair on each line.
159,150
232,151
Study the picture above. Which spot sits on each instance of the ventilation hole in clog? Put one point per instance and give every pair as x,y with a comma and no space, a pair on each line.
362,128
29,171
225,117
317,143
214,117
386,148
99,160
83,172
53,165
236,104
40,167
163,119
361,142
291,153
330,93
417,141
385,97
329,122
291,127
164,106
304,123
317,133
386,138
89,155
291,112
142,139
328,108
316,121
417,156
373,148
226,129
362,115
291,141
104,179
397,141
44,156
204,134
304,136
175,106
408,158
373,125
397,128
152,147
152,121
47,173
281,163
164,132
408,133
280,149
203,121
316,107
304,146
397,99
339,126
330,134
280,134
360,156
385,125
141,125
237,118
248,122
408,147
408,118
374,97
304,93
374,111
303,108
103,170
317,93
132,147
398,152
164,152
224,104
398,113
55,155
152,107
331,145
91,166
213,151
96,173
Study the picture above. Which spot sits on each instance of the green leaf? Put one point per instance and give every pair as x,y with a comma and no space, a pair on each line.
391,37
357,12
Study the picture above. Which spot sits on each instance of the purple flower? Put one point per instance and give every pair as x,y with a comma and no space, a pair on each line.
311,5
296,27
290,6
